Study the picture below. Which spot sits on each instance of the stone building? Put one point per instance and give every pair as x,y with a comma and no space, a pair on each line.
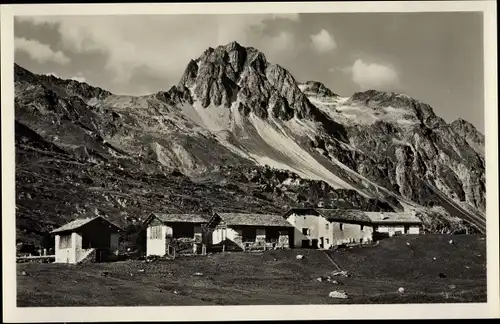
184,232
242,231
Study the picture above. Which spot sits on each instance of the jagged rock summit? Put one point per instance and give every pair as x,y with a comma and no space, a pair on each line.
235,74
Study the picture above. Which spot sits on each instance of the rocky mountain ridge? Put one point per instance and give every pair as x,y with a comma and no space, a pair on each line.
233,114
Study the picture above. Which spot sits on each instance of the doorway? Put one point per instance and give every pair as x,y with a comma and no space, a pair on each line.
321,243
314,243
305,243
100,255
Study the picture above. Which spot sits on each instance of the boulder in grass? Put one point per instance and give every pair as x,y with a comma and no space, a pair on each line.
299,257
341,273
337,294
401,290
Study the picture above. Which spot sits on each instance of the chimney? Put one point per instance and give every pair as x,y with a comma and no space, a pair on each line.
381,215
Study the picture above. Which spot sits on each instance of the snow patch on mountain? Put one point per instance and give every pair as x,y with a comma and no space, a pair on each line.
304,164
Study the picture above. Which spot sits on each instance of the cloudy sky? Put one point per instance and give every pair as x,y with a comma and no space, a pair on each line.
434,57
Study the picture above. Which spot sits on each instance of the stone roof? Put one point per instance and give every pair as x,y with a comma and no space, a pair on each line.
344,215
243,219
180,218
386,217
358,216
78,223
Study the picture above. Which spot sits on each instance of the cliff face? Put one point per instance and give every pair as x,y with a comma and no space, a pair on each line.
215,135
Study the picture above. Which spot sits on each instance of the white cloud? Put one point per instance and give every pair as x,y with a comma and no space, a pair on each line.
276,45
289,16
79,77
147,41
323,42
284,40
39,52
373,76
53,74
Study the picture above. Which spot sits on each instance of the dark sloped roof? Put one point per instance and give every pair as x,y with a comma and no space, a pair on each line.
78,223
180,218
243,219
344,215
302,211
402,217
359,216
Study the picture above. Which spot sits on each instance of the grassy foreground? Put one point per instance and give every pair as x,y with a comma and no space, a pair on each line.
271,277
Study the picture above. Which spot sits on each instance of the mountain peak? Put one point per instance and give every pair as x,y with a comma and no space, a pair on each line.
463,123
21,74
315,88
66,87
234,45
378,99
233,73
467,130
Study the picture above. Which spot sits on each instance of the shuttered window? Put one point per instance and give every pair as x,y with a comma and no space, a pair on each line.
155,233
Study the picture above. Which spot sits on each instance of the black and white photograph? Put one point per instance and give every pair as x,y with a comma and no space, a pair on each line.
287,157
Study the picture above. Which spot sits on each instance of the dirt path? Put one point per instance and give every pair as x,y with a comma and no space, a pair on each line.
331,260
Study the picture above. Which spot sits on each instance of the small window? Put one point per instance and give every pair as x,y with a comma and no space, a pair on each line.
305,231
65,241
326,226
249,234
341,226
327,241
362,227
155,233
